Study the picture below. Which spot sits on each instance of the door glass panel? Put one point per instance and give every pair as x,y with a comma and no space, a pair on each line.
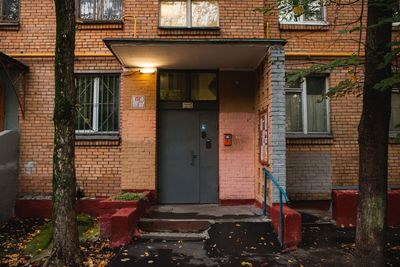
204,86
173,86
205,13
173,13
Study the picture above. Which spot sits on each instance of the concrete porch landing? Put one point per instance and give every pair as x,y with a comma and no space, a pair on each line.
209,212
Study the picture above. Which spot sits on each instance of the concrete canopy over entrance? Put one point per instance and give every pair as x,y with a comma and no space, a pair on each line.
223,54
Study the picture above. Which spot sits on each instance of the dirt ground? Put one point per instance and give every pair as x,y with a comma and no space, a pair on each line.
16,234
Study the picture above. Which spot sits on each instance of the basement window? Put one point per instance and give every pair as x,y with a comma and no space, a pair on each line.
312,12
189,14
99,10
98,104
9,11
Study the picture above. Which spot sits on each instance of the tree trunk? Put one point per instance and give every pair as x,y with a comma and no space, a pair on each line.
65,250
373,140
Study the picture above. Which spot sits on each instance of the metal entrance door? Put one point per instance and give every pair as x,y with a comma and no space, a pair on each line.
188,156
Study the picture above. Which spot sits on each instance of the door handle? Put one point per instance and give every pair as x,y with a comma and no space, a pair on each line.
193,156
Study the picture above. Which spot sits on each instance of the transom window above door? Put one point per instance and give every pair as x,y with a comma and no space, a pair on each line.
188,86
189,14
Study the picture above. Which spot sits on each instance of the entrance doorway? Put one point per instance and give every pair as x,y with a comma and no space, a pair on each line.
187,137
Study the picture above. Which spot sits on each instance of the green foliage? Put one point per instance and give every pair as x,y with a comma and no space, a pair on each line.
88,230
128,196
41,241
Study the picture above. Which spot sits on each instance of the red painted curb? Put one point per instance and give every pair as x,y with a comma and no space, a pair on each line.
292,227
344,207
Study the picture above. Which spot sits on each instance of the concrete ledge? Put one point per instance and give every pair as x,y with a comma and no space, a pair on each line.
123,226
344,207
292,227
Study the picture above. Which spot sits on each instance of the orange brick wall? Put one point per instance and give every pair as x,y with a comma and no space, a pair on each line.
138,133
237,117
104,168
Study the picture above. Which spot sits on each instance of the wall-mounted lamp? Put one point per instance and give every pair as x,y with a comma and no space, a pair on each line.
147,70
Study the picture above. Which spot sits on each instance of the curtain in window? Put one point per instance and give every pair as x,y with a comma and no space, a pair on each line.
173,13
294,119
316,105
395,117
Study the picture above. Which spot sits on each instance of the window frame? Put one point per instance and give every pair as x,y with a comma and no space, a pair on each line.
100,21
303,92
394,133
189,18
10,22
95,109
302,22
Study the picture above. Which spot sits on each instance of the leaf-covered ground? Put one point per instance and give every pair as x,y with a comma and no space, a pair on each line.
16,235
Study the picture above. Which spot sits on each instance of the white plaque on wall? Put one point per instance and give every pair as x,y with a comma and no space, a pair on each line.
138,101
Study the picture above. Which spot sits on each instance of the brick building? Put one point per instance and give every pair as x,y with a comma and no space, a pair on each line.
164,87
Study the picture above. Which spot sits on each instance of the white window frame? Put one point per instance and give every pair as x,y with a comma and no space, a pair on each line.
78,13
302,22
95,109
189,18
303,92
394,133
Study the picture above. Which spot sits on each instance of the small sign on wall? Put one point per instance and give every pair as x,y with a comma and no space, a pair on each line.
138,101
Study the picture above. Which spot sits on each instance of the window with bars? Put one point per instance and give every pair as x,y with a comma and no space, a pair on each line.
100,10
98,103
9,11
307,111
189,13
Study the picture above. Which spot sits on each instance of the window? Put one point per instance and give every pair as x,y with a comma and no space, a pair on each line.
189,13
98,103
395,116
9,11
188,86
312,12
100,10
306,108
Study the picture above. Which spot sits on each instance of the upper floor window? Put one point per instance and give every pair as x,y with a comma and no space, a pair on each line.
9,11
100,10
395,116
98,103
309,12
307,111
189,13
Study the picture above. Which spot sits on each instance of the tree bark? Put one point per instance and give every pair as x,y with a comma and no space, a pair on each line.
65,251
373,139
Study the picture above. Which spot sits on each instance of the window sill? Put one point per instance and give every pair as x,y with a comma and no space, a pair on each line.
9,26
164,31
100,24
303,26
97,139
309,139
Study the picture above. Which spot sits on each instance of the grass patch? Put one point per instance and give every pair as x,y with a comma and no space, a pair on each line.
88,230
128,196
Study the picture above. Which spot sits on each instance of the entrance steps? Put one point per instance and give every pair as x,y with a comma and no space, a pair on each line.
191,223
